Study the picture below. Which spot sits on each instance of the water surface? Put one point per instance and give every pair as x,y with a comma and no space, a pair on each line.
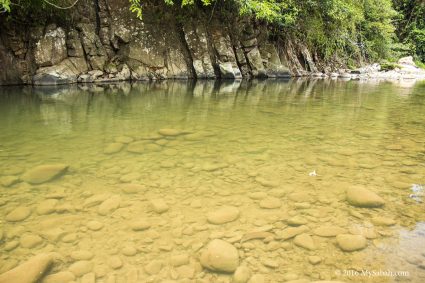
282,152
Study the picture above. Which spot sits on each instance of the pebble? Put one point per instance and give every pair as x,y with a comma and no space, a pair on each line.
110,205
115,262
223,215
305,241
129,250
18,214
113,148
8,181
140,225
30,241
81,255
257,195
291,232
270,203
242,274
257,278
168,132
133,188
178,260
153,267
266,183
94,225
300,197
297,221
88,278
47,207
159,205
136,147
153,147
124,139
329,231
79,268
383,221
349,243
314,259
11,245
270,263
60,277
44,173
361,197
220,256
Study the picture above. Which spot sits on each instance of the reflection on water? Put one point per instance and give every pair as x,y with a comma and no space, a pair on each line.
155,171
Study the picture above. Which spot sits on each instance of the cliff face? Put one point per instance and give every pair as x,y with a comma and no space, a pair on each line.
103,41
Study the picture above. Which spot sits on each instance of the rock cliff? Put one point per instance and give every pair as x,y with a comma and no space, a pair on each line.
102,41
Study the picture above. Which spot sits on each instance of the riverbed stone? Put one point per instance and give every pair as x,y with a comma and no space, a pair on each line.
220,256
270,203
18,214
47,206
305,241
136,147
349,243
81,255
94,225
223,215
30,241
257,278
115,262
242,274
329,231
8,181
79,268
159,205
169,132
30,271
291,232
153,267
60,277
383,221
44,173
314,259
361,197
109,205
132,188
178,260
140,224
124,139
113,148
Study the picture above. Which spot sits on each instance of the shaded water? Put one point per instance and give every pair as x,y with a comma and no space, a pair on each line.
282,153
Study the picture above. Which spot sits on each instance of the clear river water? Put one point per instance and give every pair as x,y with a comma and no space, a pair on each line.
130,183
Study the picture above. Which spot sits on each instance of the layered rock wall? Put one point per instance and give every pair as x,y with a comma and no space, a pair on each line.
102,41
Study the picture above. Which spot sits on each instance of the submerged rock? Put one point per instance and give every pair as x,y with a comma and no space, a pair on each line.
305,241
170,132
349,243
242,274
159,205
223,215
29,272
18,214
361,197
44,173
220,256
113,148
329,231
270,203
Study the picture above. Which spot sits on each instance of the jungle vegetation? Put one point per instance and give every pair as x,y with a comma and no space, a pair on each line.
374,30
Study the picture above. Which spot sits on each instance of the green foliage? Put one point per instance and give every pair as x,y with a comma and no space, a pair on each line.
411,26
388,66
4,6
